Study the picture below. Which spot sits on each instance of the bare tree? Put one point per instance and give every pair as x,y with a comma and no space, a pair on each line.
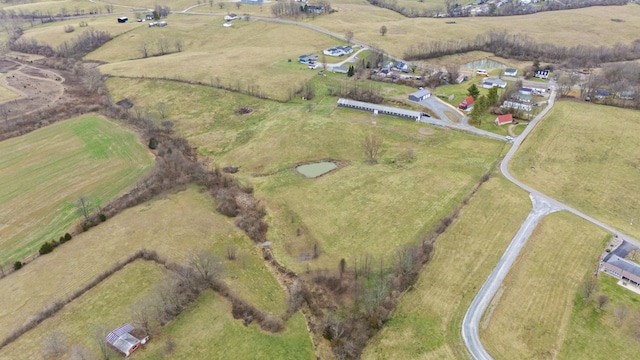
349,36
205,264
238,4
54,344
84,207
109,8
178,44
231,252
602,301
143,315
383,30
372,144
99,332
221,4
589,287
343,266
144,49
161,108
453,71
163,46
4,113
620,313
210,3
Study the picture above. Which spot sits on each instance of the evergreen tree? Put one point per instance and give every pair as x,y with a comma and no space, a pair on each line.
473,91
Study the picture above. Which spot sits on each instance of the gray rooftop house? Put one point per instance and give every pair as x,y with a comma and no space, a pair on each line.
122,340
252,2
419,95
622,269
340,69
380,109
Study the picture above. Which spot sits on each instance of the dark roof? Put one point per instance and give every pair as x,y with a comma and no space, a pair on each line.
602,92
510,70
625,265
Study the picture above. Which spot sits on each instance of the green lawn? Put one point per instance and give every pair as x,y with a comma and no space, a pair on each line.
586,155
43,174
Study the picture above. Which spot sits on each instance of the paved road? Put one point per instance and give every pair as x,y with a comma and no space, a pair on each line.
471,321
542,205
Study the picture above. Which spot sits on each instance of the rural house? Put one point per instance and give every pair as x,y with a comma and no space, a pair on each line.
314,9
342,69
516,105
488,84
230,17
622,269
466,104
510,72
252,2
504,119
149,16
123,19
122,339
602,94
419,95
338,51
305,59
542,74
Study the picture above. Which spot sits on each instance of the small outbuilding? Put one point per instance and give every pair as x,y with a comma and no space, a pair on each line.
124,340
307,58
466,104
510,72
123,19
420,95
504,119
340,69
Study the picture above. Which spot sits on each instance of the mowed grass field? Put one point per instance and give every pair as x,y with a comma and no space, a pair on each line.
238,57
43,174
594,334
426,324
207,330
54,34
530,317
587,156
174,226
110,303
365,21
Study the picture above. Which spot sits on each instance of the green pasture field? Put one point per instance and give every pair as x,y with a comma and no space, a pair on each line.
53,33
110,303
5,93
43,174
174,225
207,330
586,155
239,57
590,332
365,21
426,323
530,317
57,7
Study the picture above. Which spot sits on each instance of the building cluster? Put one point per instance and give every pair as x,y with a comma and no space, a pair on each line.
338,51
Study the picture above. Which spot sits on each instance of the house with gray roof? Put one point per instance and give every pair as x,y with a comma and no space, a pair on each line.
622,269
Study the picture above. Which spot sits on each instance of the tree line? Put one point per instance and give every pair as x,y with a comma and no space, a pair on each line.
522,47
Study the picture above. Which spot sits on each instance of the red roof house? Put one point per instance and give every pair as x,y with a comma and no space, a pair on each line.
466,104
504,119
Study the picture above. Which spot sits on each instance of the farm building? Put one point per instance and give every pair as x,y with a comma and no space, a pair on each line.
466,104
488,84
252,2
338,51
510,72
308,58
340,69
314,9
230,17
627,95
503,119
419,95
516,105
149,16
123,19
602,93
122,340
542,74
622,269
380,109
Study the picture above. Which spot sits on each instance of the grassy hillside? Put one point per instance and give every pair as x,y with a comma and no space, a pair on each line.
587,156
174,226
530,315
208,331
426,323
43,174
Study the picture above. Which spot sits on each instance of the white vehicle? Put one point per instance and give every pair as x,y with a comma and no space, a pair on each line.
509,138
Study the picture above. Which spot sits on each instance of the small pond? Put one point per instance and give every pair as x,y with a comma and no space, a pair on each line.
484,64
316,169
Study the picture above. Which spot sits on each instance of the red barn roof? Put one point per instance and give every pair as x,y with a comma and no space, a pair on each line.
504,119
466,103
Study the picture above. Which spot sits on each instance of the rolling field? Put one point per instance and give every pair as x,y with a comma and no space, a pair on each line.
587,156
365,21
426,323
207,330
530,317
174,226
5,93
43,174
109,303
594,334
239,57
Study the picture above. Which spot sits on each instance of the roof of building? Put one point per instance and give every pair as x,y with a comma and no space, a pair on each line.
380,108
503,119
625,265
468,101
544,72
510,70
421,93
341,67
602,92
121,339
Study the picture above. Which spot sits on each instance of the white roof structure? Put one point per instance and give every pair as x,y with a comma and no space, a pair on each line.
122,340
380,109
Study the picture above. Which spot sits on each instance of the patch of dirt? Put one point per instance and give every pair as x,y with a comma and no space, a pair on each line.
425,131
36,92
8,65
